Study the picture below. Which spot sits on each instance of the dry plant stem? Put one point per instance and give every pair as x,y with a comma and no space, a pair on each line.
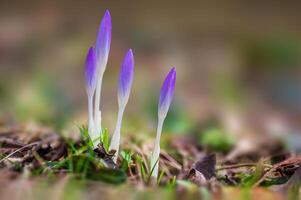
241,165
165,168
143,156
290,161
266,174
116,136
16,151
130,171
145,161
156,152
170,161
138,170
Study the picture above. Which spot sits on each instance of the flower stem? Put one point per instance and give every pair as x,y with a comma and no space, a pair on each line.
97,117
115,142
90,113
156,152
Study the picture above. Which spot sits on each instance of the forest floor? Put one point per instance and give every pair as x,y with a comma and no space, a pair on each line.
39,163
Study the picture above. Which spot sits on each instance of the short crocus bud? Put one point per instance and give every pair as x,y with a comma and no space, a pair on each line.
165,99
166,93
124,89
126,78
90,76
102,50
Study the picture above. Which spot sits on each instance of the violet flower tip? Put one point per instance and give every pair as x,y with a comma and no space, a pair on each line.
167,90
130,57
107,13
103,41
173,70
106,20
90,69
126,76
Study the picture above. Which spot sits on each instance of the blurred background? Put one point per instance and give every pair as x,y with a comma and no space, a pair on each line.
238,64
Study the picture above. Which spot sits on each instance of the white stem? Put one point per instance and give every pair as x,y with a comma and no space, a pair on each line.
96,136
156,152
116,136
90,110
97,117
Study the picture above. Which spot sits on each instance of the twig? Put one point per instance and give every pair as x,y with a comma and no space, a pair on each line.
241,165
170,160
16,151
287,162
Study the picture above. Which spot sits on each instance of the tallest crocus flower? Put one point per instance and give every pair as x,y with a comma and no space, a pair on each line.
102,49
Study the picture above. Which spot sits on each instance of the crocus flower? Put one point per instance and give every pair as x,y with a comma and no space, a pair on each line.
90,76
103,42
166,95
124,89
102,50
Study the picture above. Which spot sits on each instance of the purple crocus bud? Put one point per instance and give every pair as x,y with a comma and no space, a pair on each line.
166,93
102,48
126,78
103,41
124,88
90,76
90,72
165,99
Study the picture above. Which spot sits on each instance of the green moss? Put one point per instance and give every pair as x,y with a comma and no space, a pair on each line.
217,140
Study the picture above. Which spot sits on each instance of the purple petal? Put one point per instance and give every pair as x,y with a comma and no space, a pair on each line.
126,75
90,71
167,91
103,40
